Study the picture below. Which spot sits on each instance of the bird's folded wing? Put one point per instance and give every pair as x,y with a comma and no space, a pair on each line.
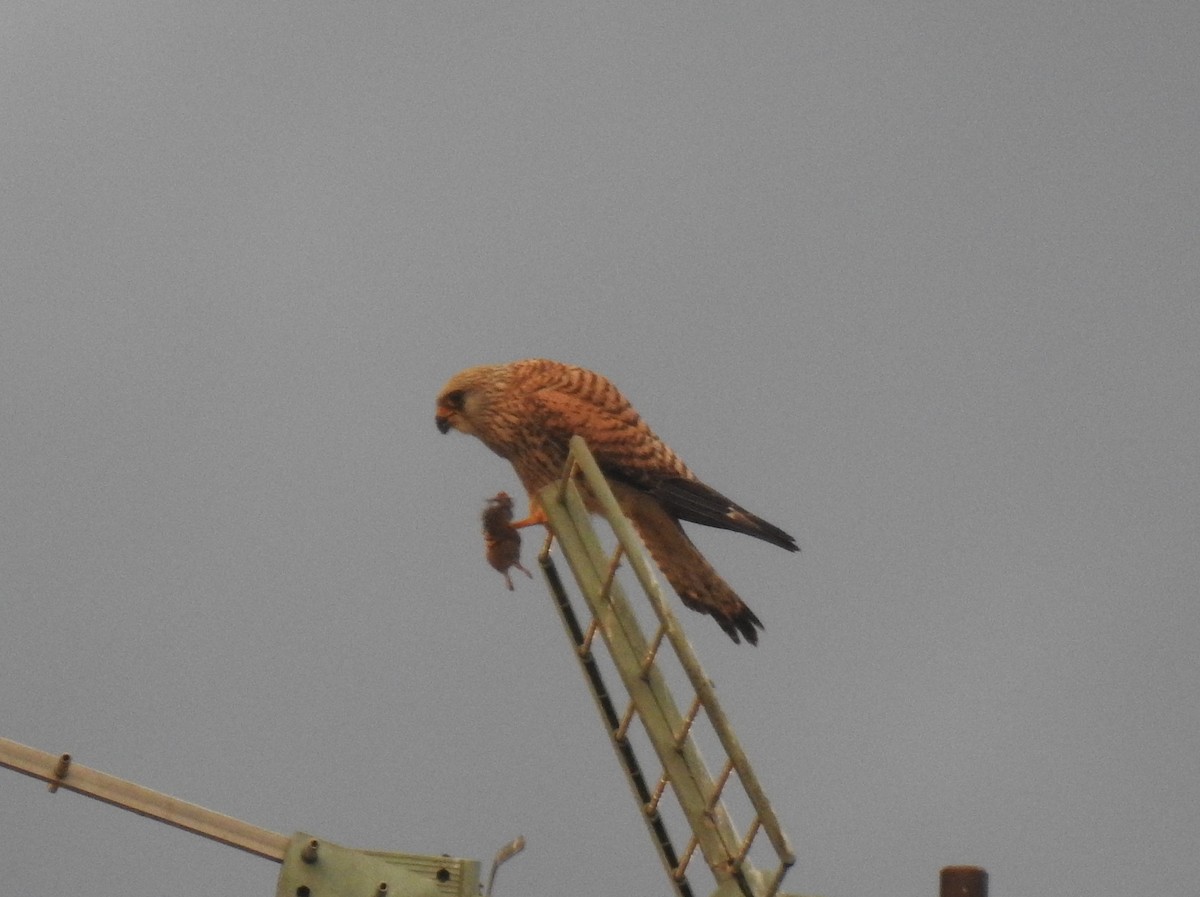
628,451
621,443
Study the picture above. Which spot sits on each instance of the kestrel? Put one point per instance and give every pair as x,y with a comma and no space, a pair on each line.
501,540
527,411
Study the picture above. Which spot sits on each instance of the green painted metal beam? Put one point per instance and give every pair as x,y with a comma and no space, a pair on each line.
310,868
633,654
318,868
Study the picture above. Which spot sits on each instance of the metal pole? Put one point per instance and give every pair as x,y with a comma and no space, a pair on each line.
59,771
964,881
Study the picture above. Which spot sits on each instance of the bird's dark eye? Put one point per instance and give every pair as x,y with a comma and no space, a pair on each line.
454,399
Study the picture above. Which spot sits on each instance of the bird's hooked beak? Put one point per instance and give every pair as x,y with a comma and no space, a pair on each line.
450,405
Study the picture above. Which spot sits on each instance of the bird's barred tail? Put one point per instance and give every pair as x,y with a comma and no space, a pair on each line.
692,577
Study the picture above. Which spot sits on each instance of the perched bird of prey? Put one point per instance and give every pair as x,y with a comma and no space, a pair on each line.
501,540
527,411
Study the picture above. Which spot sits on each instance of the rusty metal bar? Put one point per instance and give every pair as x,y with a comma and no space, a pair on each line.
963,881
681,869
720,784
652,651
741,855
659,790
685,729
622,732
614,564
585,647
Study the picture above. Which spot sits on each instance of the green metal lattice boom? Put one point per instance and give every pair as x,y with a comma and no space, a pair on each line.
635,657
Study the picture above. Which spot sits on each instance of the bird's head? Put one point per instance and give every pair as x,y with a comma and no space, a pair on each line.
464,399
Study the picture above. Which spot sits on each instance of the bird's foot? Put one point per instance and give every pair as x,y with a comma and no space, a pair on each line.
537,517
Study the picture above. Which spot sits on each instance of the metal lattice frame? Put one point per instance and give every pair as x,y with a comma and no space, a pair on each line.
634,655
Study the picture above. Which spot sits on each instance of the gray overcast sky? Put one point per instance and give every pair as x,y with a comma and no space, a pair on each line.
917,281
